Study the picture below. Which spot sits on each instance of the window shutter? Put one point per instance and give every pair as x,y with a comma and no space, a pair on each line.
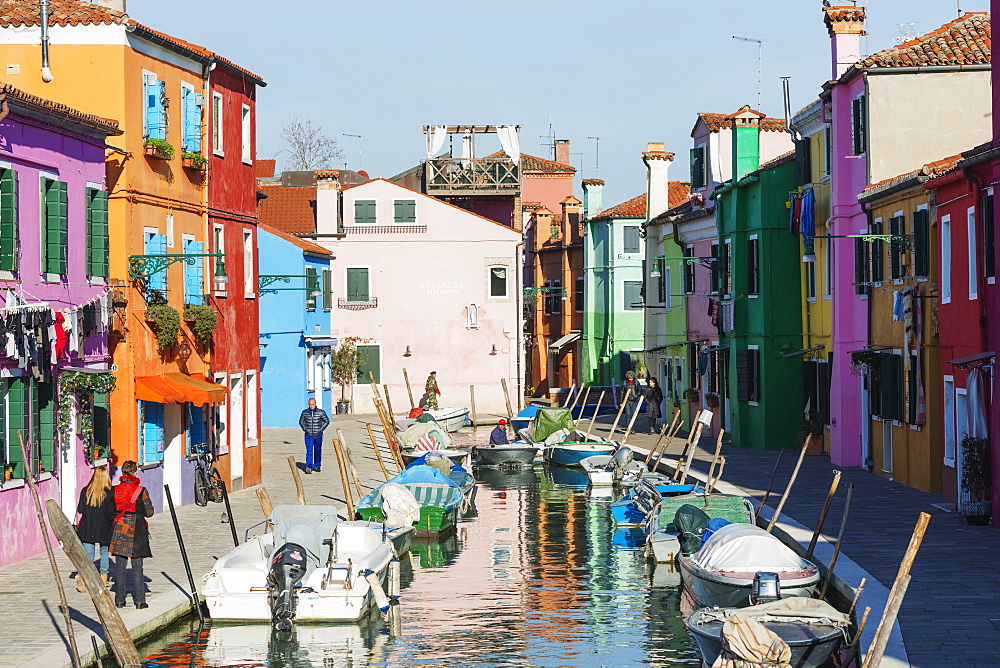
364,212
698,167
156,244
102,420
633,295
989,236
45,407
661,285
753,267
191,112
859,266
195,431
631,239
897,381
161,111
17,412
876,251
885,371
8,220
716,269
688,271
327,290
55,227
97,233
311,284
895,256
803,161
194,275
911,391
150,93
754,373
152,432
357,284
370,361
921,260
858,125
743,375
404,211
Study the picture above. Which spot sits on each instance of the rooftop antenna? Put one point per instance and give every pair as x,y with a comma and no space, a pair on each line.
551,136
359,138
597,155
907,32
760,59
787,96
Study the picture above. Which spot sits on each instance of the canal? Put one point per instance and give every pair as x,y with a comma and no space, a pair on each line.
535,575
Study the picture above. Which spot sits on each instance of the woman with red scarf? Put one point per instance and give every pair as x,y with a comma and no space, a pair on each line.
130,537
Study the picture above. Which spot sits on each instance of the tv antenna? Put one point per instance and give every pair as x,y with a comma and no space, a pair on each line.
907,32
597,155
359,138
551,137
760,60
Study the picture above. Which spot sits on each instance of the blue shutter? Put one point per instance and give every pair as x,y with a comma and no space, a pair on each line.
156,244
152,432
194,275
195,431
149,93
191,114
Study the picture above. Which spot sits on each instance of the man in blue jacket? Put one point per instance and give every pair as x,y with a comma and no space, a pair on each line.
313,422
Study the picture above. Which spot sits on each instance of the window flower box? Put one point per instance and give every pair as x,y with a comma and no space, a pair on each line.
159,149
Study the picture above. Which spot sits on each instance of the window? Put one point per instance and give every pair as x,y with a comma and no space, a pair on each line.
876,252
327,290
633,295
54,208
715,268
310,288
949,421
921,243
665,286
194,274
194,427
498,282
247,152
803,161
864,257
370,357
217,144
630,236
156,284
553,297
912,390
688,271
27,402
973,253
859,141
219,233
358,285
660,267
9,238
897,225
101,411
888,385
472,316
827,153
727,268
578,295
748,375
249,289
310,367
191,120
989,235
811,278
154,120
753,266
364,212
699,168
151,432
945,259
828,268
404,211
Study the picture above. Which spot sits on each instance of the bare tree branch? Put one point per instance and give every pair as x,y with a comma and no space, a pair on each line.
307,147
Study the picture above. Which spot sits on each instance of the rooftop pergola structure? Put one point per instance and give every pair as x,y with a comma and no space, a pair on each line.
466,176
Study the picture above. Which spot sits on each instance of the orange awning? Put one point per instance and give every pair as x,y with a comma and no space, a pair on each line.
197,390
156,389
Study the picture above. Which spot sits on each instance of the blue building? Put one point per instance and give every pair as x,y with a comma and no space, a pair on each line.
295,336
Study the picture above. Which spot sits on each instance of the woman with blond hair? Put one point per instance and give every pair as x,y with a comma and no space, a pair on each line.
97,515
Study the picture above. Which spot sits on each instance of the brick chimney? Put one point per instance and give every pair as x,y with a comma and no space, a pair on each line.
593,191
327,201
846,26
562,151
571,218
657,178
746,142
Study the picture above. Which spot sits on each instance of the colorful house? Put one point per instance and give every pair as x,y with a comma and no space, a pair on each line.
295,339
945,75
53,263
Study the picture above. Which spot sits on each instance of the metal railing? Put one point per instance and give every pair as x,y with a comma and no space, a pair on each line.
480,175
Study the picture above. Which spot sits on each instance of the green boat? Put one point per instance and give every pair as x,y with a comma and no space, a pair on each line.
662,533
438,496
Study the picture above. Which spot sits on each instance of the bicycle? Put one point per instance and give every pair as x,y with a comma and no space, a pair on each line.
208,485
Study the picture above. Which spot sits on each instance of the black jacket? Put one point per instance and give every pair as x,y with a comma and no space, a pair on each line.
314,421
96,523
654,397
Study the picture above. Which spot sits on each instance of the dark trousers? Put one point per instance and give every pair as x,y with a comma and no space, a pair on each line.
138,581
314,451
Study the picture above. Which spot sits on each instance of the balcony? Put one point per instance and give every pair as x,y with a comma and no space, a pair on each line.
450,176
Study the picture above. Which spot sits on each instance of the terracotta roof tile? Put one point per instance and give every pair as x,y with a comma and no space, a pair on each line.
964,41
288,208
593,182
677,192
304,244
9,94
532,163
264,168
716,122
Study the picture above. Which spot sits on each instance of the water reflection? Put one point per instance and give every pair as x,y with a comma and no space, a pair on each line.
537,577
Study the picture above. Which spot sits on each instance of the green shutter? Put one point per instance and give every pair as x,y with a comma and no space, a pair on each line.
404,211
310,287
8,220
370,361
102,421
327,290
921,257
357,284
17,410
45,412
876,251
97,233
55,227
364,211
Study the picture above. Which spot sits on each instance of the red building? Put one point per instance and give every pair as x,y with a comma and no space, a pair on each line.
232,230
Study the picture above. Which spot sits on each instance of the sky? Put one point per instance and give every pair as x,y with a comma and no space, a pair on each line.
629,72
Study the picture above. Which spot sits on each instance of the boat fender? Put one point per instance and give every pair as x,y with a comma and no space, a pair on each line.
381,600
394,578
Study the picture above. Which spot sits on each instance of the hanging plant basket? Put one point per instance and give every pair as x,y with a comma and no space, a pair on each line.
203,319
165,323
193,161
76,394
159,149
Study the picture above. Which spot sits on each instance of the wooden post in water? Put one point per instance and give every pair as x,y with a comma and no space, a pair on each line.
822,514
472,399
115,630
506,396
631,423
576,398
350,462
700,427
378,455
693,435
788,488
663,430
583,406
342,465
597,409
388,402
621,408
715,457
896,594
300,491
265,501
840,538
770,485
409,390
671,435
712,482
63,605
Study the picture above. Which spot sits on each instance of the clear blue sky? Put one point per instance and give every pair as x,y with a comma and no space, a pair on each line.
629,72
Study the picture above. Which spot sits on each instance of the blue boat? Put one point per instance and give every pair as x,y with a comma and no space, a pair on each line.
636,506
523,418
574,452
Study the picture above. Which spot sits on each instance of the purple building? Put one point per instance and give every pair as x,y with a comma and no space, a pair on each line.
55,307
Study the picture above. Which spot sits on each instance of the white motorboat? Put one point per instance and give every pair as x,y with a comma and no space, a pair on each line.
311,568
609,470
449,419
341,645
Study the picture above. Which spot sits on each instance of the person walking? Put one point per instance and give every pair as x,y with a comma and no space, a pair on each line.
314,422
631,383
654,397
431,392
97,516
499,434
130,535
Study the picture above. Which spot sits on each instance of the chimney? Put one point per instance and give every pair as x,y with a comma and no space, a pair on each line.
327,201
116,5
746,142
593,189
657,178
571,218
562,151
846,25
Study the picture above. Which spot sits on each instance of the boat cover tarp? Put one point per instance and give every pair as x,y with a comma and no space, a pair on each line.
426,417
399,506
307,526
418,430
548,421
793,610
730,507
746,643
745,547
690,522
437,455
417,475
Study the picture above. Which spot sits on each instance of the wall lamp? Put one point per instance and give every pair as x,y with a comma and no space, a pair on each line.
493,350
407,353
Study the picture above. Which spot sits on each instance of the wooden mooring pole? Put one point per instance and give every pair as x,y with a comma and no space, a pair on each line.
597,409
788,488
621,408
342,465
506,396
472,399
378,454
770,485
300,491
822,515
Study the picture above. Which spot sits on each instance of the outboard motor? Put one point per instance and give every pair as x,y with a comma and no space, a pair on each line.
766,587
288,567
621,459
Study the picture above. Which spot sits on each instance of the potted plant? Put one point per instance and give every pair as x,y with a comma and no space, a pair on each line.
691,395
158,148
8,471
203,320
712,399
192,160
344,362
811,431
165,323
976,480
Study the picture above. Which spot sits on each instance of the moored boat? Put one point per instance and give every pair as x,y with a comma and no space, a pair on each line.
512,454
437,497
457,456
663,534
609,470
573,452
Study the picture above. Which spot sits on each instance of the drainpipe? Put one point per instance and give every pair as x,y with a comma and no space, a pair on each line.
43,11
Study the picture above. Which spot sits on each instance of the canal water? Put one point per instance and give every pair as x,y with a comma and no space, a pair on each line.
535,575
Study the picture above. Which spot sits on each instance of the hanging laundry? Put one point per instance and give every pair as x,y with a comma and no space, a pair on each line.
807,215
897,305
62,338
